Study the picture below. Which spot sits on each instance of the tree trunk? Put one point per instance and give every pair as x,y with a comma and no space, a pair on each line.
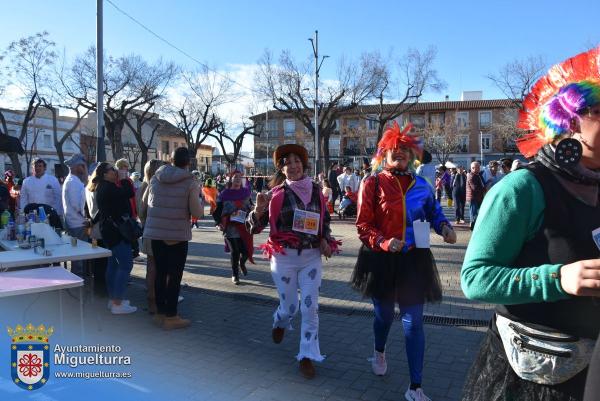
113,132
16,164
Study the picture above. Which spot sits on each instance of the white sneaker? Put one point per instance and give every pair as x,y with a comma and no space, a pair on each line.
416,395
378,363
110,304
122,309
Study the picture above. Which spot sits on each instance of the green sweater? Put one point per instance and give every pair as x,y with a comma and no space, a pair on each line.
510,215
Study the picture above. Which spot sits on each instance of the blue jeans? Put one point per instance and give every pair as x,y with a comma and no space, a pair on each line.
344,204
412,322
473,212
117,270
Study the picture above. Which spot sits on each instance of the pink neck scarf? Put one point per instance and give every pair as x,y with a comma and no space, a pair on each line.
303,188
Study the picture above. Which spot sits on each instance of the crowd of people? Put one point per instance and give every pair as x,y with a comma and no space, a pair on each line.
538,260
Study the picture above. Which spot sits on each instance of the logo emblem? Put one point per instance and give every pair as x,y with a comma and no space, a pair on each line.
30,355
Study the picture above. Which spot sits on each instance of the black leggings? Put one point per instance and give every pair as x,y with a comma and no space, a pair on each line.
239,255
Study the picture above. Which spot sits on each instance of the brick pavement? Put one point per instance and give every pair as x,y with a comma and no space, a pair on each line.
227,353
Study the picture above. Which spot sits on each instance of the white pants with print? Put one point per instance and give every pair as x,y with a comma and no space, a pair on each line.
290,272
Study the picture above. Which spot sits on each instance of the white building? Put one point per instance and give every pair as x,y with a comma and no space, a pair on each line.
39,141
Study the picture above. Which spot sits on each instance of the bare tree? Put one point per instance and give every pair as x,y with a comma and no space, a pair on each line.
225,140
442,139
133,154
286,85
506,131
28,64
516,78
196,114
129,83
402,83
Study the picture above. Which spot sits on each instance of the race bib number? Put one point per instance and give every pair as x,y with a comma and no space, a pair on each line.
239,216
306,222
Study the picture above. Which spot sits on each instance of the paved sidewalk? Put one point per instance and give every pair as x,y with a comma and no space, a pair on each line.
227,353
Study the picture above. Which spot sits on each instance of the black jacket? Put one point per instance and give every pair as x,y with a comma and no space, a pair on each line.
113,203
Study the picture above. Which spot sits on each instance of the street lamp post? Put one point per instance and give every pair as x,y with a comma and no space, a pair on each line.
315,45
100,151
267,132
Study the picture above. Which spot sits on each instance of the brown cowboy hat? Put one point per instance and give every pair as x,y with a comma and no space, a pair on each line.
284,150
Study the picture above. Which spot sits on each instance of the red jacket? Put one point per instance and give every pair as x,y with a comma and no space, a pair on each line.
382,216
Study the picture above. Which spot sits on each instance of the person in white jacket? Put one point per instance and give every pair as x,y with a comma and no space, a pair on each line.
73,198
41,188
348,179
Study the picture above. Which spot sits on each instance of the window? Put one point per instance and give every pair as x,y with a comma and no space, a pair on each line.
437,119
272,128
352,124
289,127
485,119
372,123
486,143
47,141
165,147
462,119
370,145
337,126
463,144
334,146
418,120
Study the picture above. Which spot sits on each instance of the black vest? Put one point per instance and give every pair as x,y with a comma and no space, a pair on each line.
564,237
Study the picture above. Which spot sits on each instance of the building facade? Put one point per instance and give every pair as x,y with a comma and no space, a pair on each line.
472,123
39,140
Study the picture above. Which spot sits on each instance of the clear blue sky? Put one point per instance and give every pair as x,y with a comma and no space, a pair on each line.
473,38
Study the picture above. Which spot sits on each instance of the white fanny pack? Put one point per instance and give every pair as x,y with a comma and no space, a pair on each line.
543,357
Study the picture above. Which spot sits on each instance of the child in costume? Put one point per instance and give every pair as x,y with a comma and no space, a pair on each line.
233,205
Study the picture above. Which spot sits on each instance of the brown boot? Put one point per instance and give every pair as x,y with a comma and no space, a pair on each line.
175,322
277,334
307,369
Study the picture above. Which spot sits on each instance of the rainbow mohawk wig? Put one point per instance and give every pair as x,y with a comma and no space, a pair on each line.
393,138
555,99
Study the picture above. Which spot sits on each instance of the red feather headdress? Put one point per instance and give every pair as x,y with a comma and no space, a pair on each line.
393,138
583,67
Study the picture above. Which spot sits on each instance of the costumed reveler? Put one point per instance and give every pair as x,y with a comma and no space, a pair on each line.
233,205
532,251
296,212
209,190
390,268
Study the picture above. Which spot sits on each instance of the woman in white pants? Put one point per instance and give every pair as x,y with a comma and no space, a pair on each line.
296,212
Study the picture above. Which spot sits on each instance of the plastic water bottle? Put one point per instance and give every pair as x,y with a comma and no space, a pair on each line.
20,226
42,215
12,234
27,232
4,218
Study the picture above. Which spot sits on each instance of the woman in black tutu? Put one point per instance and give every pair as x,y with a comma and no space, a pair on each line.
535,247
390,268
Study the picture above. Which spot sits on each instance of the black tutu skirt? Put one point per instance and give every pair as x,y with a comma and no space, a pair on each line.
409,278
492,379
